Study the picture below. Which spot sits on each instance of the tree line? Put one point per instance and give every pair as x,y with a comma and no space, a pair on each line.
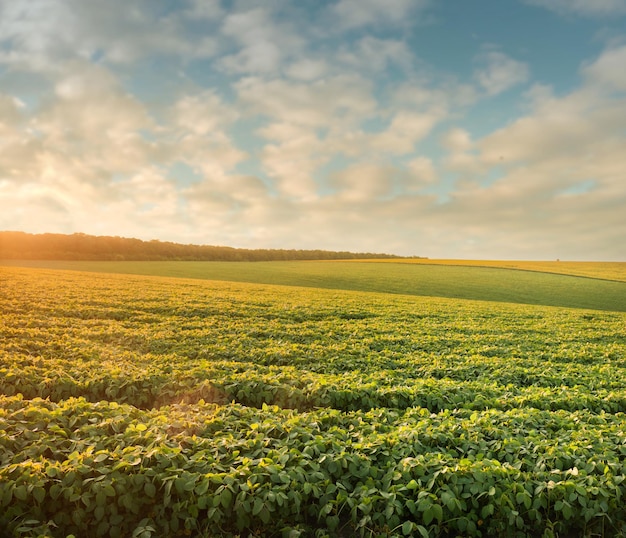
79,246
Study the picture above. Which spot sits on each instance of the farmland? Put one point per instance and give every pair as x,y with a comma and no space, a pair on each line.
529,283
359,399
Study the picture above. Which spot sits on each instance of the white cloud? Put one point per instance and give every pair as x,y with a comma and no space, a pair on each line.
204,114
583,8
457,140
96,121
374,54
563,143
422,171
359,13
204,10
91,129
264,43
609,70
42,34
570,126
292,160
436,96
499,72
198,135
306,69
406,129
337,100
10,113
364,182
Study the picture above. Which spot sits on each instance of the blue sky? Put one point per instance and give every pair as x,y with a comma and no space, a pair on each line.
447,129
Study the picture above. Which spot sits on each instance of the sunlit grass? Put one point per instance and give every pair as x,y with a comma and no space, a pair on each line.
603,270
424,279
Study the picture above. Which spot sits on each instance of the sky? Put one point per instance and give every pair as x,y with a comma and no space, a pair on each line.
485,129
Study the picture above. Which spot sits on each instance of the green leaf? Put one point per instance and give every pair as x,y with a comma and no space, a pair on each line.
40,494
567,511
226,498
52,472
149,489
407,528
258,506
437,512
20,493
448,499
99,512
487,511
101,498
429,515
202,487
332,522
265,515
55,491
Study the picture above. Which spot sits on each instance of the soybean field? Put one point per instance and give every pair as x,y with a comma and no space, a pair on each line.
311,399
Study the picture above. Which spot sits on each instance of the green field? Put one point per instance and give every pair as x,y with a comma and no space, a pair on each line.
602,270
359,399
412,278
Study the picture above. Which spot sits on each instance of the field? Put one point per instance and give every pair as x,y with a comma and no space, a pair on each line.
360,399
411,277
602,270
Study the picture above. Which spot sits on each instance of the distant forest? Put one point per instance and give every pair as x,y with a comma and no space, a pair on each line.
25,246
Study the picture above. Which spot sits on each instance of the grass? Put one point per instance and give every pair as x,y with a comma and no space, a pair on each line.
602,270
421,279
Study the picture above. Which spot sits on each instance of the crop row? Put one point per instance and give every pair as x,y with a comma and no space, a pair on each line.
190,469
254,385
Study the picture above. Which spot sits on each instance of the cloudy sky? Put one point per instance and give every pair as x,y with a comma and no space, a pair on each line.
491,129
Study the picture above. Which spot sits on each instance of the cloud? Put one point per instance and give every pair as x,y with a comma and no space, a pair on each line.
499,72
292,159
307,69
336,100
406,129
364,182
204,10
541,161
456,140
583,8
10,113
93,119
91,129
197,133
203,113
375,54
438,95
422,171
358,13
608,70
92,158
41,34
264,43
